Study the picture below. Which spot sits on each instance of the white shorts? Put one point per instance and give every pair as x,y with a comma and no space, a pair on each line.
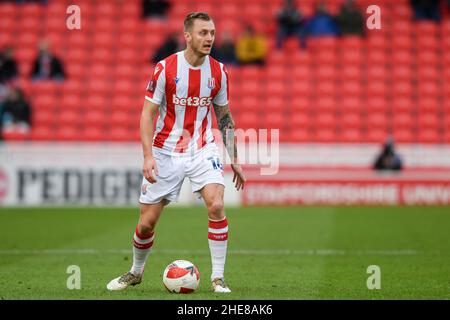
203,168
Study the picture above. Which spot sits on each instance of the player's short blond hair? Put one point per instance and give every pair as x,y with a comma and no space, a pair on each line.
191,17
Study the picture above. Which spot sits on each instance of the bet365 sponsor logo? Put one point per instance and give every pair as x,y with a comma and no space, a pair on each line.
192,101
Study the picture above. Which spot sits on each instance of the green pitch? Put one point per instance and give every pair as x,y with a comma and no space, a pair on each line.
274,253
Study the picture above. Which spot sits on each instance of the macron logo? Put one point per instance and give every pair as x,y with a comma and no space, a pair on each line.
192,101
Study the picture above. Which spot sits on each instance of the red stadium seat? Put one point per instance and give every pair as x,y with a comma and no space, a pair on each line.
94,118
351,42
352,57
426,27
401,73
275,120
325,104
119,134
375,104
44,101
429,136
68,117
325,88
402,120
300,135
351,120
427,58
427,42
376,41
275,73
250,88
428,89
300,105
276,104
301,72
42,133
301,87
250,120
67,133
350,135
402,104
429,121
45,87
428,73
95,102
402,27
377,120
276,88
350,104
326,58
376,89
300,58
44,118
376,135
325,120
429,104
350,73
326,72
402,135
376,57
300,120
72,101
118,118
402,89
351,88
325,135
402,57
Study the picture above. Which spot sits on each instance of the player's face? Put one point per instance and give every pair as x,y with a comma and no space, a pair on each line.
201,36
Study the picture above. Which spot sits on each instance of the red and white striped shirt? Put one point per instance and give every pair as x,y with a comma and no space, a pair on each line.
185,95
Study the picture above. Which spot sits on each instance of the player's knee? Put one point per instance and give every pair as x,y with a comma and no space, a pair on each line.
146,227
215,209
147,224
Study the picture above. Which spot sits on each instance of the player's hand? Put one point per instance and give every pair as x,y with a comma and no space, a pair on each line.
238,177
148,167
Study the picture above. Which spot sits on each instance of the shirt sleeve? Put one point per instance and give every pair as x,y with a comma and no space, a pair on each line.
222,96
156,87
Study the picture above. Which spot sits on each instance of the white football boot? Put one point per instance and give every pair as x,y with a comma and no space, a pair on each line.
124,281
219,286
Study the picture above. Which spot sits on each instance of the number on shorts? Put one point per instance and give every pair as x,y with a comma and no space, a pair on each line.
216,163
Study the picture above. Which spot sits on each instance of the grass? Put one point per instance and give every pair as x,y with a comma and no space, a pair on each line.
274,252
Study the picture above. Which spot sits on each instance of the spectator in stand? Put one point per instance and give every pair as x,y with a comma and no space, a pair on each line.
322,23
47,65
290,23
155,8
251,47
226,50
388,159
350,19
426,10
8,66
170,46
15,112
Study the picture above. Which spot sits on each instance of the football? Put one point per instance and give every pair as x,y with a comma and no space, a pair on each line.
181,276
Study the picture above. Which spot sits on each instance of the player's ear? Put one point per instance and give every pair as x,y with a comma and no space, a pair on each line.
187,36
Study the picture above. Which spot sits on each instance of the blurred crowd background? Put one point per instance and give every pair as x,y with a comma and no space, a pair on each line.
307,67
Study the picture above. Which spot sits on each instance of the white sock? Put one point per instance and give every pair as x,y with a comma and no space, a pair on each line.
142,245
218,240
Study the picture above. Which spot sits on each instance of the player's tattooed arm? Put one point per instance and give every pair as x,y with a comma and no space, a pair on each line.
226,126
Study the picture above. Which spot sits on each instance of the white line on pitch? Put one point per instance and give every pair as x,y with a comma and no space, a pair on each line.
305,252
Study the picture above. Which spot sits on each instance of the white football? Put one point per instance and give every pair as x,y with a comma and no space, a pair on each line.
181,276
